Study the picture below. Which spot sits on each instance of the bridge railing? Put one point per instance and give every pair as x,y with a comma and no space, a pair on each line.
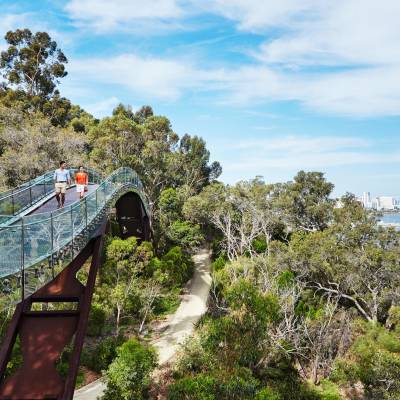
36,242
25,196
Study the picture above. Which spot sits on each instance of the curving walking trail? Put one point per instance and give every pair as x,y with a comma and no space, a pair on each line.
177,327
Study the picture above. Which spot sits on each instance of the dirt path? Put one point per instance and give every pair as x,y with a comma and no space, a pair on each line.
178,326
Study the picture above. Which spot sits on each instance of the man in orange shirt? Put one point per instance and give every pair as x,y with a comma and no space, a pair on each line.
81,180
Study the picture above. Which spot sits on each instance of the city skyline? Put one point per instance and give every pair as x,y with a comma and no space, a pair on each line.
272,88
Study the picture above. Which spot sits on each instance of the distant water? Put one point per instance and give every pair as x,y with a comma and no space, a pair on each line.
390,219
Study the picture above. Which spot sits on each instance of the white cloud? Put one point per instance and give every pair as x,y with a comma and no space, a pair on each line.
371,92
303,152
102,107
338,57
148,76
351,45
105,15
346,32
294,144
259,15
10,22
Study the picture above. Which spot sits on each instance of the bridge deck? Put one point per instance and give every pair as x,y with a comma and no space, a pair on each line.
70,197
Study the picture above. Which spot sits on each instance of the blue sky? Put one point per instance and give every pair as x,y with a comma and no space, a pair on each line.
273,87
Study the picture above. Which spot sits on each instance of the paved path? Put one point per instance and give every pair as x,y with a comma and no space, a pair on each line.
178,326
70,197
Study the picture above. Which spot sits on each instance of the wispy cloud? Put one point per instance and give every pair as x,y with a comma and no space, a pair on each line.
304,152
102,107
131,15
339,57
366,93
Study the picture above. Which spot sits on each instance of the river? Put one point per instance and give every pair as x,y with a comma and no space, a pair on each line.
390,219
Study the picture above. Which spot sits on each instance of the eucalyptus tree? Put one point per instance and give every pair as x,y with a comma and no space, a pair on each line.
32,62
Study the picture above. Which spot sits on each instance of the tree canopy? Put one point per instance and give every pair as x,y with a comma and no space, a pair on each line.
33,62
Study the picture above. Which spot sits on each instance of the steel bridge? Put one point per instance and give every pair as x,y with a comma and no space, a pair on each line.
42,248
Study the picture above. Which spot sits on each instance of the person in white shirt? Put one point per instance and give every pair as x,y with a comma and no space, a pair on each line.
62,178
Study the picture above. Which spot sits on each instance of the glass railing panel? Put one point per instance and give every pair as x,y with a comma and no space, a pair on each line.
62,229
91,206
79,217
11,250
21,200
37,242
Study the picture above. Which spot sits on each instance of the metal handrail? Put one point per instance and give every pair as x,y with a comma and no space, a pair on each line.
38,238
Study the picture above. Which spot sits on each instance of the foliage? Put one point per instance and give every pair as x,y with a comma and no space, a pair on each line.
129,374
16,359
373,359
238,385
97,318
176,266
147,143
184,234
100,357
305,203
125,262
30,146
32,62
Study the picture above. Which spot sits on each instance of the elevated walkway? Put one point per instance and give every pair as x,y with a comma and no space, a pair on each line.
37,240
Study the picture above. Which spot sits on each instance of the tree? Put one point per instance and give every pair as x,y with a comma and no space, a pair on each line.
194,155
33,62
30,145
305,203
242,213
125,262
353,259
373,359
142,114
129,374
149,146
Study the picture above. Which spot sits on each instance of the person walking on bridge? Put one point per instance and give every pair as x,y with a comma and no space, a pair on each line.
62,178
82,181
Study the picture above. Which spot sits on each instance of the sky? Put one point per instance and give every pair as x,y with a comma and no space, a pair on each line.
272,86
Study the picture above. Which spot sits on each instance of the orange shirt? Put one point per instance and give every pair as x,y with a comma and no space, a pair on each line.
81,178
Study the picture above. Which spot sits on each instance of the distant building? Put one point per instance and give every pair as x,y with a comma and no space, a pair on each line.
366,200
386,203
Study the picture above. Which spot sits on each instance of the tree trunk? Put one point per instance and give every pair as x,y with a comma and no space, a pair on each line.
118,318
314,372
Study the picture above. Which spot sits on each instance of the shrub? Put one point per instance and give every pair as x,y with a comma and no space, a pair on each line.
167,303
267,394
373,359
184,234
97,318
218,264
129,374
178,265
259,245
103,354
240,385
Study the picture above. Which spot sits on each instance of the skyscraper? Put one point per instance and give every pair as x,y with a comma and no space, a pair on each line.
366,200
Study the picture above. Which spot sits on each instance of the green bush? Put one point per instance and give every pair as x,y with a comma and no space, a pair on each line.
373,359
97,318
259,245
240,385
201,387
129,374
184,234
267,394
218,264
167,303
177,265
102,355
